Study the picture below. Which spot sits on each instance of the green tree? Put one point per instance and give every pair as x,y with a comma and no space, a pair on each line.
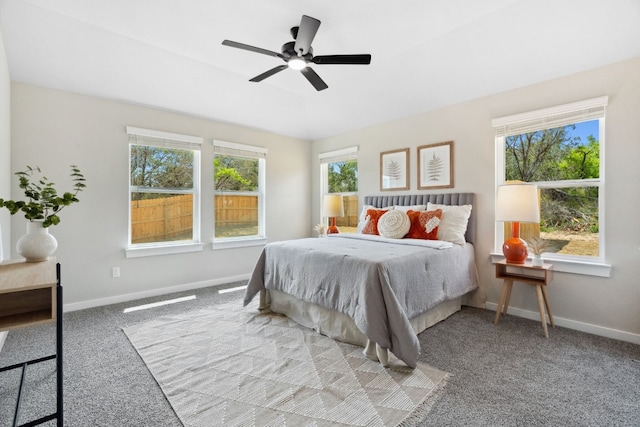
534,156
343,177
235,173
160,168
582,162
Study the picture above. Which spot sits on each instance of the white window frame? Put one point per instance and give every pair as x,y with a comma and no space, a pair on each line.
156,138
344,154
252,152
547,118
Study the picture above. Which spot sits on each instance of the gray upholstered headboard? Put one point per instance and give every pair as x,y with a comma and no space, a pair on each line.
422,199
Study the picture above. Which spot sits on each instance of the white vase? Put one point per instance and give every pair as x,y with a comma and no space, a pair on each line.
537,261
37,245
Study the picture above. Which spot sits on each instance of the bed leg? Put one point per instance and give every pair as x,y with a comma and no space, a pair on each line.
383,355
370,350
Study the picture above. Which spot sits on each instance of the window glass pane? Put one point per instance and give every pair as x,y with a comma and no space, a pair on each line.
569,220
236,215
343,176
236,182
558,160
235,173
564,153
154,167
161,217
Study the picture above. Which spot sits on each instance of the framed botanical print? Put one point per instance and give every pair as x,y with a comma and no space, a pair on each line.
435,166
394,170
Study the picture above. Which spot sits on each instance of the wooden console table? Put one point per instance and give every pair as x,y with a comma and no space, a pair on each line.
31,294
539,277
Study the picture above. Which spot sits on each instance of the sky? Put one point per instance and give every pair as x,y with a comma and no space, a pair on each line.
584,129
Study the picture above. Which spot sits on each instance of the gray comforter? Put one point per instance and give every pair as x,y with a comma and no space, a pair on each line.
380,283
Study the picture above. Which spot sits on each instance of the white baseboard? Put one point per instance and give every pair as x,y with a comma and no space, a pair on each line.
152,293
3,337
574,324
527,314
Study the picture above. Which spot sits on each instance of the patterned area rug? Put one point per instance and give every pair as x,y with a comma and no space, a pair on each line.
233,366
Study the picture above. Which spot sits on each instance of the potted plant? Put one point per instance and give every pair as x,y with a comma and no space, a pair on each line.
42,205
537,246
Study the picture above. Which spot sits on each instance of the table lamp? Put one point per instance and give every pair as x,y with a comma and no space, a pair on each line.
332,207
517,203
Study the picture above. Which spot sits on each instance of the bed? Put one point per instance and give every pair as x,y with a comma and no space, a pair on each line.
369,290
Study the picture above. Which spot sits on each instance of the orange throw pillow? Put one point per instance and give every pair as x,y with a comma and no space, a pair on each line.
374,215
424,224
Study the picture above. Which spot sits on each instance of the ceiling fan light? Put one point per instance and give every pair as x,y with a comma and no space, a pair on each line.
297,64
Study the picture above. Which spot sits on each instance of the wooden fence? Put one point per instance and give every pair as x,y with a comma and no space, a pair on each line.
351,212
171,218
163,219
233,209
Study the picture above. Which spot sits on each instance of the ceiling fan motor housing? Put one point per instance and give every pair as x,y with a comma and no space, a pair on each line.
289,51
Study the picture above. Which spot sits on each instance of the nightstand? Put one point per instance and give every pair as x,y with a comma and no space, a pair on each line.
539,277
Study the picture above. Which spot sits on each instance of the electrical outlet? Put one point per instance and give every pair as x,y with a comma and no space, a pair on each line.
115,272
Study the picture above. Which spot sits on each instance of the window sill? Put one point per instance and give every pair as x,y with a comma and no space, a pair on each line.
564,265
142,251
237,243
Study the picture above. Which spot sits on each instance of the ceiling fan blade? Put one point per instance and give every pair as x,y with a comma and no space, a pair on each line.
314,79
251,48
269,73
306,32
342,59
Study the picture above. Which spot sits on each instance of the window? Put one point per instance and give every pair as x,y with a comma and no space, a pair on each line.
239,181
164,177
560,150
339,175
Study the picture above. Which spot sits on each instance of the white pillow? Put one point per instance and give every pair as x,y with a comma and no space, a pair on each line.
454,221
415,208
394,224
363,219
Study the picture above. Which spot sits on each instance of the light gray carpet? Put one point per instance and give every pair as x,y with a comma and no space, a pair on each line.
236,366
502,375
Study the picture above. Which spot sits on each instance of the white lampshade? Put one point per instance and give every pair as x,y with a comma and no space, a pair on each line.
518,202
332,205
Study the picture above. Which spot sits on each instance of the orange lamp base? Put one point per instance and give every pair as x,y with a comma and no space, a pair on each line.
333,229
515,250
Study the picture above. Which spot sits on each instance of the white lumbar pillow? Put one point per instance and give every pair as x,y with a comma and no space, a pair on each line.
394,224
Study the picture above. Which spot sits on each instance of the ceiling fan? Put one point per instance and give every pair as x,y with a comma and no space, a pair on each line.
298,54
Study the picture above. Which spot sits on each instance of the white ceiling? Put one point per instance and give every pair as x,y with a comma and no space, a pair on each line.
425,53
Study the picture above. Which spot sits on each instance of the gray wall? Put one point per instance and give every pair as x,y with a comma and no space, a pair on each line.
607,306
54,129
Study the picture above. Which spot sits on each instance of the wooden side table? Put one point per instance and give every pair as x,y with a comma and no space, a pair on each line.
31,294
539,277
